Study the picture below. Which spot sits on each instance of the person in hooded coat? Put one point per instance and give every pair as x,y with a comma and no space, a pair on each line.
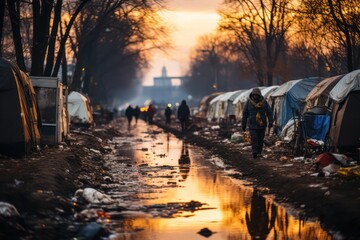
257,116
168,113
137,113
183,115
129,114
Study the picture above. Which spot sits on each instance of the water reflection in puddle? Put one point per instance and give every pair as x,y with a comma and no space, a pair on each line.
233,210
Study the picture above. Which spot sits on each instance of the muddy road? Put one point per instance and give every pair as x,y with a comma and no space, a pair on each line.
140,182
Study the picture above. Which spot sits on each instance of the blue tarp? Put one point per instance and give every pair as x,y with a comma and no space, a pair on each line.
316,126
294,99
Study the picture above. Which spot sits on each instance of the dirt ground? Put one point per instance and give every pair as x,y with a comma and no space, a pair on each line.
334,200
42,186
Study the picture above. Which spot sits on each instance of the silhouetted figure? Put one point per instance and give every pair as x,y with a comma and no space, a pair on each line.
137,113
183,115
129,113
150,113
258,223
184,161
168,113
256,114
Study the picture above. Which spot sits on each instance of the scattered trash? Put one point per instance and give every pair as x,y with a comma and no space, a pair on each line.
298,158
349,171
91,195
95,151
216,127
90,231
8,210
237,138
331,168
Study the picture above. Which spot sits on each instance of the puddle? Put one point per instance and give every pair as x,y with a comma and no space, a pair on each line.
183,191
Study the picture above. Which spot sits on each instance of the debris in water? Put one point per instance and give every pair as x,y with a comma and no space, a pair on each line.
206,232
92,195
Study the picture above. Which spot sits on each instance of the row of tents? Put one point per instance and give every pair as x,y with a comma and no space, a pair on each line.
340,95
27,112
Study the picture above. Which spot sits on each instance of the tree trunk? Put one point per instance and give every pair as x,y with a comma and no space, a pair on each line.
2,11
42,16
51,48
15,25
64,69
66,35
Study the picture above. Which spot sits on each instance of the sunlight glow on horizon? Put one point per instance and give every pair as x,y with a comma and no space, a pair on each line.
188,27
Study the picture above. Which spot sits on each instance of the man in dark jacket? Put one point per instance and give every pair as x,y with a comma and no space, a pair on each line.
137,113
183,115
168,113
256,114
129,114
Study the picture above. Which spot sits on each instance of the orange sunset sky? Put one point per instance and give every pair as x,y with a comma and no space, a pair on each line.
190,19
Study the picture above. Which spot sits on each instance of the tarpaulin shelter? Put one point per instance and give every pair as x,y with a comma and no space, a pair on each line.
240,101
19,115
204,104
345,127
267,91
289,99
213,106
319,95
222,106
230,110
79,109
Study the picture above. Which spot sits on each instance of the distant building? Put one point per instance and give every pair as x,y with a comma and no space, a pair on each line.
165,90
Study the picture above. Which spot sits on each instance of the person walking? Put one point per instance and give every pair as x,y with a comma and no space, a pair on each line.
136,113
129,114
150,113
168,113
183,115
256,115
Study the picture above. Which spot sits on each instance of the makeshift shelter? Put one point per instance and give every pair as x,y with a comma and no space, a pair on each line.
19,121
345,127
230,110
224,106
79,109
240,101
267,91
213,107
319,95
288,99
205,104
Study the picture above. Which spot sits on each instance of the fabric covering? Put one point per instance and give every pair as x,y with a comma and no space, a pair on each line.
350,82
316,126
19,114
293,99
79,108
318,96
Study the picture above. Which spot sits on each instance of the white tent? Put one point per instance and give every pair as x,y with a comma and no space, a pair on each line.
216,105
266,92
349,83
79,108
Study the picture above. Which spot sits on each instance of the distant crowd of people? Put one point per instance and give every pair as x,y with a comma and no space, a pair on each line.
257,117
183,114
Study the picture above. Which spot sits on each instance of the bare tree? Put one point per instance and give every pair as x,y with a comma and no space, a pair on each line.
334,29
14,14
260,29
